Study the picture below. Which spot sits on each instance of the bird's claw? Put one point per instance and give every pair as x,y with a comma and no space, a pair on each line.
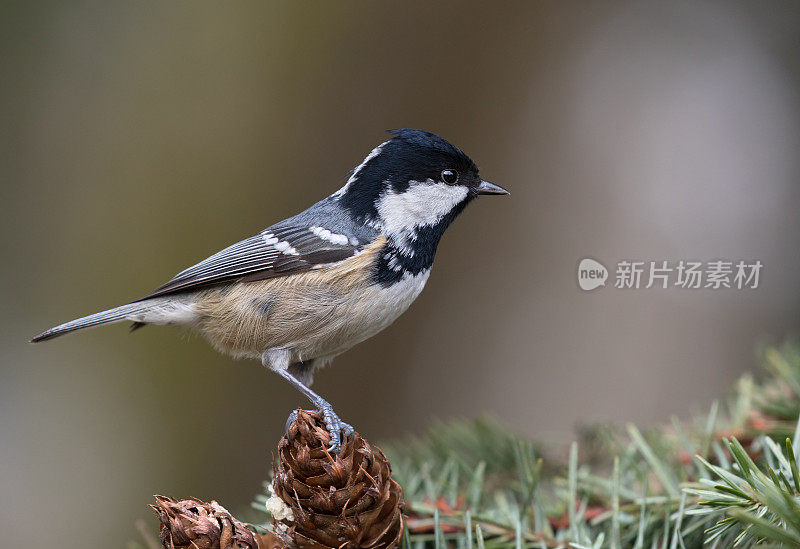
338,430
291,419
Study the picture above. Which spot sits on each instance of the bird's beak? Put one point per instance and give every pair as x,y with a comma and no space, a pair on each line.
490,188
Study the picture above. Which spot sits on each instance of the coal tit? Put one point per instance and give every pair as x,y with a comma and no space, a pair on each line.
310,287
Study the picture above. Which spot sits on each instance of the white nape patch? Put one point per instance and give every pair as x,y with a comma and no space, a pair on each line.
423,203
325,234
285,248
375,152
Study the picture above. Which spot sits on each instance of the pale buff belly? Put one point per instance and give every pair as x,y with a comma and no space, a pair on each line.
316,314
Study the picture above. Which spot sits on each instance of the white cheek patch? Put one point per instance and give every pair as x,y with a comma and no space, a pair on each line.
325,234
424,203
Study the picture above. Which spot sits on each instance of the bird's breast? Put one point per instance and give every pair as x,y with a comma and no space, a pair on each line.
316,314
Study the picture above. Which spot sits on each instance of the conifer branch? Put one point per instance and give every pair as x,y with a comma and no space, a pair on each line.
728,477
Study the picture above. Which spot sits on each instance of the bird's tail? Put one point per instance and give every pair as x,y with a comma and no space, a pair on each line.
164,310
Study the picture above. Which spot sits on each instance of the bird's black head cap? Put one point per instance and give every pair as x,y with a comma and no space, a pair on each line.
411,155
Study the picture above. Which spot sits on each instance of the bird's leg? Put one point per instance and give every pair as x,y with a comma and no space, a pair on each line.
338,429
278,361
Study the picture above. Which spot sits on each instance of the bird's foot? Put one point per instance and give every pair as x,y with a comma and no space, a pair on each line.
338,430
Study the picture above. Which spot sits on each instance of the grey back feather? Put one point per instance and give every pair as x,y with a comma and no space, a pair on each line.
325,233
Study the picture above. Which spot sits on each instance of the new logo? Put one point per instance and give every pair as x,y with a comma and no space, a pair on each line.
591,274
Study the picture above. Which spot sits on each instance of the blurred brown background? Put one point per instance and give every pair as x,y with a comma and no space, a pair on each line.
139,138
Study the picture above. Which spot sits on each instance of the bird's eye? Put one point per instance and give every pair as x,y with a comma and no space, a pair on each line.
449,176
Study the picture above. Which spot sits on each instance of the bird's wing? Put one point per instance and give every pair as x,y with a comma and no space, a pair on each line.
283,249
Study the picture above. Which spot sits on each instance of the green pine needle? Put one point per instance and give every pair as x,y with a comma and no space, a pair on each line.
477,484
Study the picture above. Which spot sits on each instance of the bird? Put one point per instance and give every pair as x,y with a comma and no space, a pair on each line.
312,286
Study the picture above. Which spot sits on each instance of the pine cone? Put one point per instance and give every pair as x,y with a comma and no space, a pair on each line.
344,501
198,525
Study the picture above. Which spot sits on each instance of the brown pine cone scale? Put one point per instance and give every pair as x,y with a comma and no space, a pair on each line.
199,525
344,501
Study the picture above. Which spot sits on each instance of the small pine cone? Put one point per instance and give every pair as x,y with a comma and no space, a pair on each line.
344,501
198,525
